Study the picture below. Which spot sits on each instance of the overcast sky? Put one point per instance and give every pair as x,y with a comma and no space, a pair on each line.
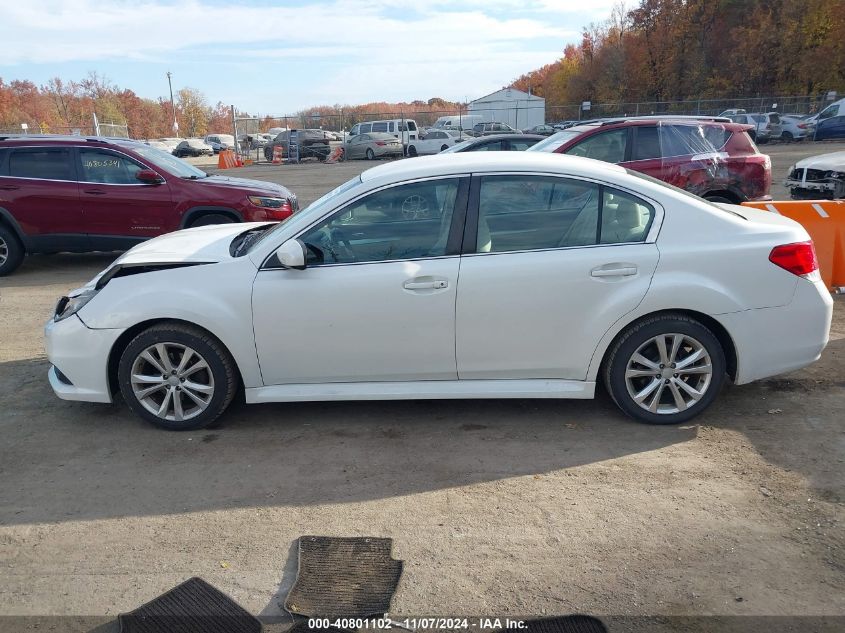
274,58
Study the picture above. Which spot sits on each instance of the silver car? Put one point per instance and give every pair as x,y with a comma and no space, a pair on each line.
373,145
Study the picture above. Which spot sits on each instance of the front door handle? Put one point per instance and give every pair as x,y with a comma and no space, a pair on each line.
95,192
434,284
622,271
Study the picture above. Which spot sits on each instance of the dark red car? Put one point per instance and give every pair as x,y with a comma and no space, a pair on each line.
712,158
92,194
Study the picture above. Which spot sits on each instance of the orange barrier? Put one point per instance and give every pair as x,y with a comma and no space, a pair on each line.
226,159
278,154
825,222
336,155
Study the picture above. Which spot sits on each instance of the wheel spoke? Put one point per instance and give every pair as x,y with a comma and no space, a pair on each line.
642,395
145,393
694,393
642,360
660,341
177,406
200,364
165,403
692,358
145,379
676,394
698,369
639,373
153,361
202,404
677,339
164,359
186,356
655,401
195,386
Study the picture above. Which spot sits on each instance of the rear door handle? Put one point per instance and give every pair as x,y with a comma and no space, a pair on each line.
425,285
95,192
9,187
623,271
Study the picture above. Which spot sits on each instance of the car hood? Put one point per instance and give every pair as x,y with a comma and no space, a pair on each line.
200,245
258,186
835,161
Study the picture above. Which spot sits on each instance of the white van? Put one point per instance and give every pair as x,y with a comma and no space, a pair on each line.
458,121
837,108
404,129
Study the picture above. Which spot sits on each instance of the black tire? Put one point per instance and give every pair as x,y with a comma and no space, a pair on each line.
211,218
11,251
786,136
720,199
444,147
220,365
412,151
371,155
640,333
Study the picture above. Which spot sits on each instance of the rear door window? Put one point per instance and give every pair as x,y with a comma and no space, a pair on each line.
45,163
108,168
646,144
380,126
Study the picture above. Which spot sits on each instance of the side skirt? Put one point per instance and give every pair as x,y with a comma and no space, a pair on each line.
424,390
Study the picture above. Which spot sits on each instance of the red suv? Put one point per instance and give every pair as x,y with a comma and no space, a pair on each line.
712,158
91,194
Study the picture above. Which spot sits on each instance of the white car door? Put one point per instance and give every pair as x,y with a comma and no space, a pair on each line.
548,276
377,299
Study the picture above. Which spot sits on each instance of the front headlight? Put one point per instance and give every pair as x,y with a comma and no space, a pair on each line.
68,306
267,203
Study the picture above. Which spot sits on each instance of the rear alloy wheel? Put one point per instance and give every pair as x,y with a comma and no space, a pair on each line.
665,370
212,218
177,377
786,136
370,154
11,251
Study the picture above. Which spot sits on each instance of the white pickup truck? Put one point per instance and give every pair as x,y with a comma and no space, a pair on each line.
434,142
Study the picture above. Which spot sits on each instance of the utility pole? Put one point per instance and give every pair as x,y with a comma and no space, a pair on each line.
172,105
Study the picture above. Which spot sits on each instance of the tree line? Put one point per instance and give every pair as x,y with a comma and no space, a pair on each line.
675,50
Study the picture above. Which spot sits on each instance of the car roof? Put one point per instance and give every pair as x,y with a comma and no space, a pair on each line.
491,138
62,139
471,162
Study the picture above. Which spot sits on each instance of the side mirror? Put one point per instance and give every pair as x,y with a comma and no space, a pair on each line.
149,177
291,254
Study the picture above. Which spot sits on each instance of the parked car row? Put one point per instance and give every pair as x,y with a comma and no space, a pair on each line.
91,194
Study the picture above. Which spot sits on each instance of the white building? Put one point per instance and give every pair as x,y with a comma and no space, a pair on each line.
514,107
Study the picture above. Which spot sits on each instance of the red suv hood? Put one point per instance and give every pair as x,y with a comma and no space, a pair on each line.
259,186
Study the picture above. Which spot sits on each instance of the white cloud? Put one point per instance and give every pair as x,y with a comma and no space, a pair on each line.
443,47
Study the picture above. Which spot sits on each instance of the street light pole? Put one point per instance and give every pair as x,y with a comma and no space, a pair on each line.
172,106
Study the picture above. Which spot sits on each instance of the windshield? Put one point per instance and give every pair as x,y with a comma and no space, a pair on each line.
315,208
553,142
168,162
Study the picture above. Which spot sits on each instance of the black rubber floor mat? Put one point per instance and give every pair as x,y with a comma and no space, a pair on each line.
344,577
192,607
563,624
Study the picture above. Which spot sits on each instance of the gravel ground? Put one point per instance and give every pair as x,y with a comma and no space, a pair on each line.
496,507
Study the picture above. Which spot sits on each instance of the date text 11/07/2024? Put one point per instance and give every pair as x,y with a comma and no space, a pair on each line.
425,623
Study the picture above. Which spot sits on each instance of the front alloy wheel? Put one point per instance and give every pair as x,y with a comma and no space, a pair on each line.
177,376
665,370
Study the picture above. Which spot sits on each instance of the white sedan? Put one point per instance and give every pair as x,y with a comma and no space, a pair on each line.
497,275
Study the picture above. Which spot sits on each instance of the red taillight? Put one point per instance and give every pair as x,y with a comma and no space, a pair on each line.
802,126
380,143
798,258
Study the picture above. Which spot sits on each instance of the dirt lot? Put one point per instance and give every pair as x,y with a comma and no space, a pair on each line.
499,507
